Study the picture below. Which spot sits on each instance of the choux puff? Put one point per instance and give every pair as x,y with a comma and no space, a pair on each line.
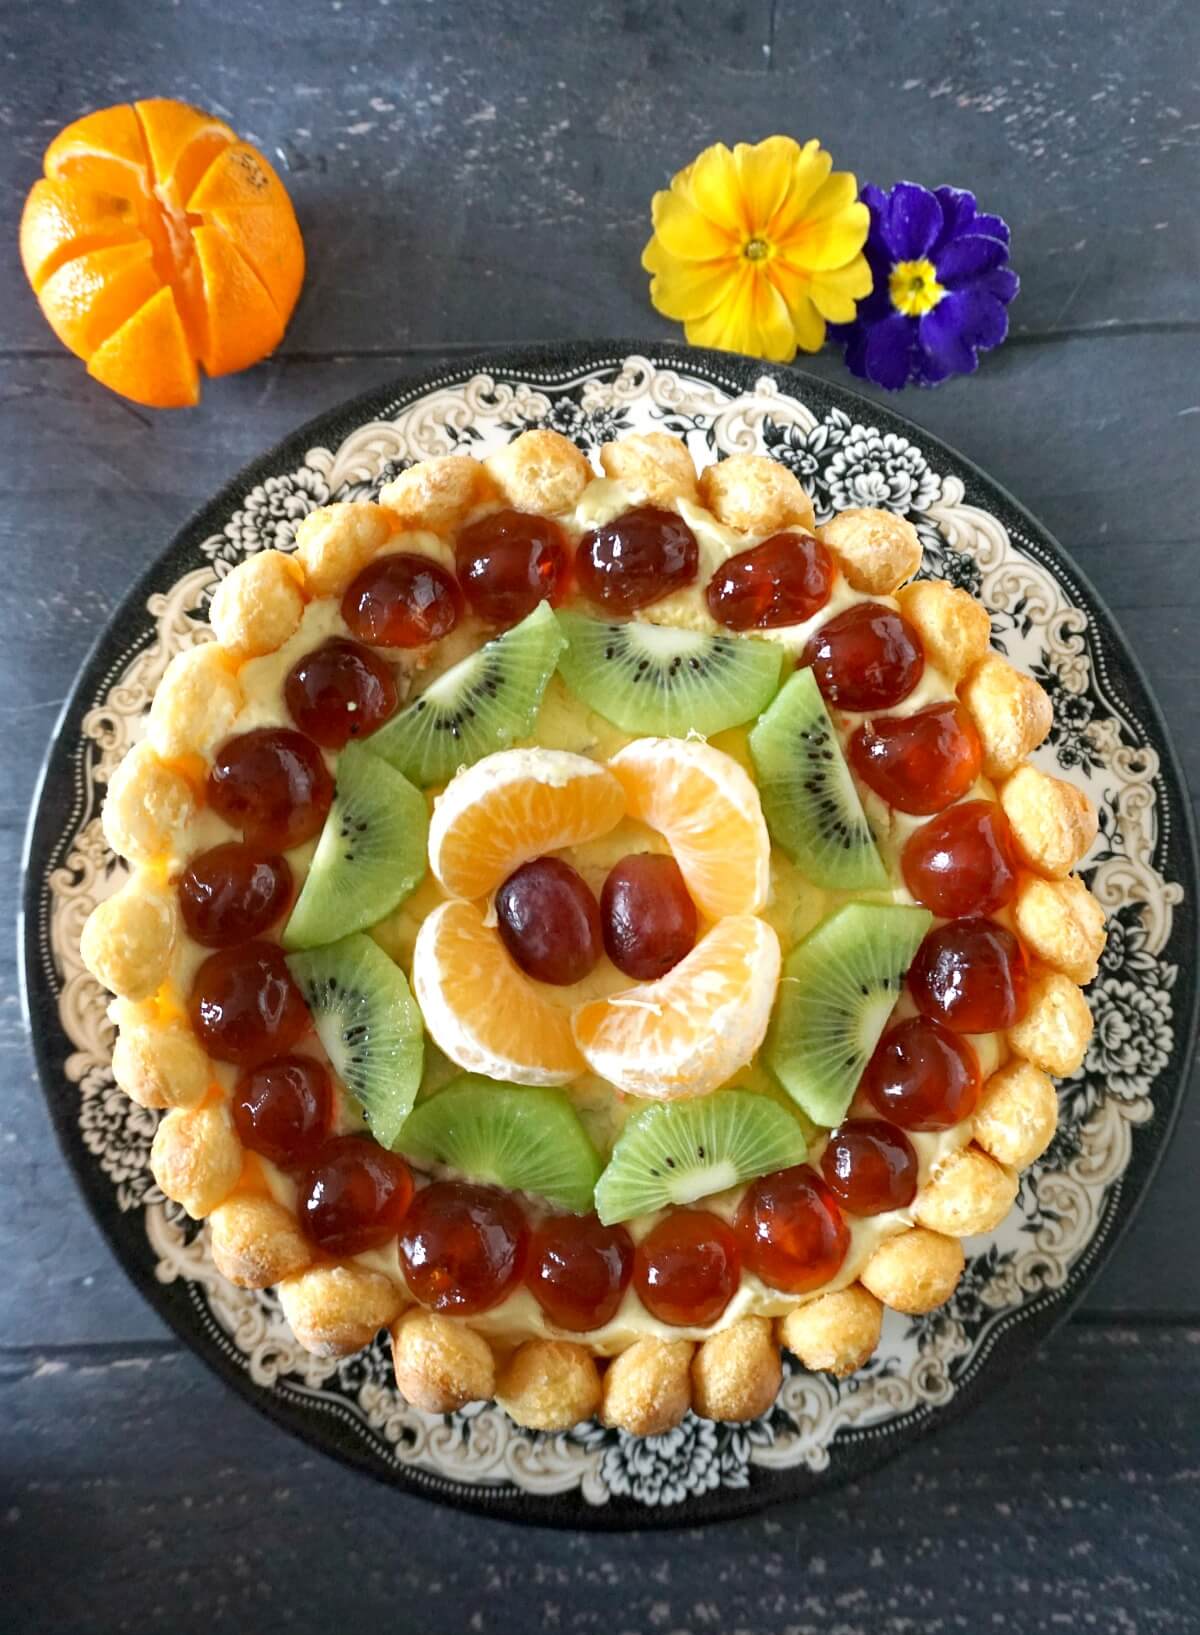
648,1388
654,466
438,494
1056,1029
128,938
337,1310
196,1157
1017,1114
1012,714
836,1332
441,1364
954,628
147,807
736,1373
540,471
1062,924
258,606
158,1063
915,1271
1053,824
968,1193
549,1385
755,495
256,1242
335,543
196,704
877,551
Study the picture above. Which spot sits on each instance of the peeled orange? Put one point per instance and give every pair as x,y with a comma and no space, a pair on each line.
158,244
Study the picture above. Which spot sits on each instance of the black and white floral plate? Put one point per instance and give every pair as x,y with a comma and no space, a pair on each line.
1116,1113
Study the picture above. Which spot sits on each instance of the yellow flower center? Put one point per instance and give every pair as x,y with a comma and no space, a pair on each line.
756,249
914,288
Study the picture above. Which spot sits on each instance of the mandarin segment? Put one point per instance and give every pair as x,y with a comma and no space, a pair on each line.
181,142
108,143
148,359
62,219
242,323
90,297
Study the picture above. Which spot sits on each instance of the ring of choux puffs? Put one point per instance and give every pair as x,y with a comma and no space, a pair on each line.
441,1364
256,1242
1052,822
1062,924
876,550
967,1194
736,1373
1011,712
755,494
1056,1029
197,702
954,628
438,494
648,1387
337,1310
196,1157
258,606
654,466
549,1385
335,543
836,1332
540,471
1017,1114
147,807
160,1064
128,938
915,1271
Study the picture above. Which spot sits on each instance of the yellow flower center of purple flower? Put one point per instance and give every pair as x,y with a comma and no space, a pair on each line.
756,249
914,288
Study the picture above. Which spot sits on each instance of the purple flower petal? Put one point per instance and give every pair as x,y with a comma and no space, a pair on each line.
969,258
1001,282
942,339
889,349
958,214
992,227
912,221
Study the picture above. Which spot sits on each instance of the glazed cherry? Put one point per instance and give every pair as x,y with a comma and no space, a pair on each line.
971,974
244,1005
339,691
463,1247
579,1270
687,1268
283,1109
918,763
402,600
867,658
869,1165
273,785
922,1076
510,561
355,1196
649,919
783,581
963,862
791,1230
549,921
637,558
232,893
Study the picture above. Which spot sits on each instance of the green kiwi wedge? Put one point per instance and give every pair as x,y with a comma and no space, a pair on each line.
648,678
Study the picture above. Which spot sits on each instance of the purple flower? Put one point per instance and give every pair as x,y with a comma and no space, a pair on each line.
942,285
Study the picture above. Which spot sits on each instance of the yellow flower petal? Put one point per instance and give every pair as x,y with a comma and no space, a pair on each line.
830,241
834,293
765,172
690,289
795,290
811,170
808,326
754,320
684,231
834,194
713,187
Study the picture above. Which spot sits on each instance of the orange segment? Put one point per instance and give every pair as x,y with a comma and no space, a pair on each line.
513,806
240,319
90,297
147,359
108,144
181,143
708,810
690,1031
62,219
480,1010
241,193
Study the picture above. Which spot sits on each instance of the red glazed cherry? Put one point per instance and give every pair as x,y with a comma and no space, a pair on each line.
463,1247
283,1109
870,1166
578,1270
339,691
508,562
648,917
918,763
355,1196
273,785
922,1076
244,1005
636,559
548,920
791,1230
687,1268
783,581
402,600
233,893
867,658
963,862
972,975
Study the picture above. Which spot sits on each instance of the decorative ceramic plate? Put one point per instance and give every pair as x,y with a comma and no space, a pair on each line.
1115,1114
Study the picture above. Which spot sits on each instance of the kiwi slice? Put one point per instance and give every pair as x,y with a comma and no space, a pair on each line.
371,853
369,1024
677,1151
481,704
837,991
510,1135
652,678
808,797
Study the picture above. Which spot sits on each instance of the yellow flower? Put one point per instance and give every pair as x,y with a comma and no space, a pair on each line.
754,250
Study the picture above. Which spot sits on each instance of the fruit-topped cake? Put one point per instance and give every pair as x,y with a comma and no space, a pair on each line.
604,929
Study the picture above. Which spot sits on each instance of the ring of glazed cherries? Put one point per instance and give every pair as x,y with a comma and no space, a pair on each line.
463,1247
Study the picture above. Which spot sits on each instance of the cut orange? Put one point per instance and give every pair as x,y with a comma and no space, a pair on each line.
690,1031
154,227
705,806
478,1007
513,806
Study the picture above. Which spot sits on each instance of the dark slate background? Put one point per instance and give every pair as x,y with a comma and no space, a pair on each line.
475,172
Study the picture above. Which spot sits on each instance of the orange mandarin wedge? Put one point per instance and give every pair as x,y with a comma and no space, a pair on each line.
690,1031
706,807
480,1010
514,806
157,241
